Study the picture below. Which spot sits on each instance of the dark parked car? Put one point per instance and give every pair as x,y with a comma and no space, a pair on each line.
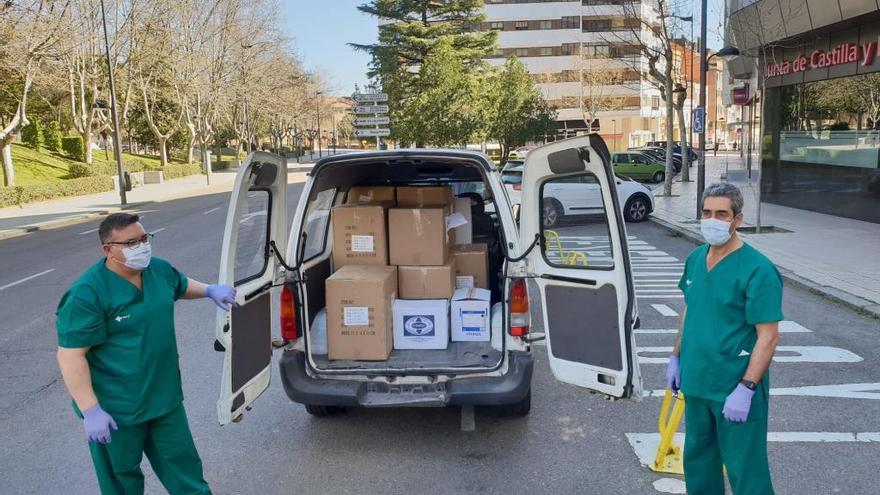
676,148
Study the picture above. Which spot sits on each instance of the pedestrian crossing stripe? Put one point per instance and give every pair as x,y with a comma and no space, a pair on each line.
784,354
785,326
869,391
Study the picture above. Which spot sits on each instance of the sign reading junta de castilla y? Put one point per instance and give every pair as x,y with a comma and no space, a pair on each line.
844,53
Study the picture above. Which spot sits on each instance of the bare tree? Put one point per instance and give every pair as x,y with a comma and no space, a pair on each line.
29,35
599,85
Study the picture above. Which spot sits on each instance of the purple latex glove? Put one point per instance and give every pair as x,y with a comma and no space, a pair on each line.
737,405
97,424
222,295
673,374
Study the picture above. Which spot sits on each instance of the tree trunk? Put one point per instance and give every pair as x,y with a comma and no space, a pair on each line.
8,171
190,150
685,155
87,146
670,130
238,150
163,151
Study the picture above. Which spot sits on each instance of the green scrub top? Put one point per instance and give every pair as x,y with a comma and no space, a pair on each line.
723,307
133,349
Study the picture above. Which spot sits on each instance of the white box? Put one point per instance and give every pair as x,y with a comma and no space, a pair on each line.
421,324
464,233
470,316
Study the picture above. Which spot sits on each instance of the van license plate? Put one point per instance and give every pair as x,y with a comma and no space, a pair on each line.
410,395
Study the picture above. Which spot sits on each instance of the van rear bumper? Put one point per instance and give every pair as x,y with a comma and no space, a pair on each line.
479,391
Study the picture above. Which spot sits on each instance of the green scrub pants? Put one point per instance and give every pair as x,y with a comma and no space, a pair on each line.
712,442
169,446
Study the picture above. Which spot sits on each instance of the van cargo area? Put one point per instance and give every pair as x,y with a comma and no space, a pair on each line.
331,187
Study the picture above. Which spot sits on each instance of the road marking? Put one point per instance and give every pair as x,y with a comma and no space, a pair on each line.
801,354
645,444
158,230
659,291
870,391
664,310
27,278
467,418
88,231
785,326
212,210
670,485
669,296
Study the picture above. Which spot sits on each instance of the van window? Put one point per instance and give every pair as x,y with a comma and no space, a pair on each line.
317,218
251,251
574,223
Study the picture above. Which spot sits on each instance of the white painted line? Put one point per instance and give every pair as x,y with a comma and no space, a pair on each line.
88,231
27,278
869,391
664,310
784,327
651,274
802,354
212,210
658,291
467,418
787,326
158,230
655,331
670,485
670,296
645,444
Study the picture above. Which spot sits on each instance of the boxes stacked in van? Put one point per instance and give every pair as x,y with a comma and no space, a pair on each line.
401,282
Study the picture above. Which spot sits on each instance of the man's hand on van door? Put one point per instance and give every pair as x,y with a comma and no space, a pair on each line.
222,295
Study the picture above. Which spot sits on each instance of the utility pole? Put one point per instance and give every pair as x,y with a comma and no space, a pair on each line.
318,108
701,166
117,151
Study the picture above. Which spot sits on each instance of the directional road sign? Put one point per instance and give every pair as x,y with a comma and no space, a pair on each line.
699,120
370,97
372,132
372,121
371,109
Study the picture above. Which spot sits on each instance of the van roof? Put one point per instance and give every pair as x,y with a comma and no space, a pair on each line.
401,156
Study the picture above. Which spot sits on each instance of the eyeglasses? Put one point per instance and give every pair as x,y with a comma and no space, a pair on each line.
133,243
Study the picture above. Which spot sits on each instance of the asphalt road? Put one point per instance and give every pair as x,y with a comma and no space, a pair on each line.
573,441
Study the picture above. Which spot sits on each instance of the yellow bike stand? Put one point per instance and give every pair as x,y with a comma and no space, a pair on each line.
669,455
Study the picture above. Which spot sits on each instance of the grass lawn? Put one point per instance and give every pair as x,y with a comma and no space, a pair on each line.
33,167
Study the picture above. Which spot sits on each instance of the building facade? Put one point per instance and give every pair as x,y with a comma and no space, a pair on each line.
585,58
812,80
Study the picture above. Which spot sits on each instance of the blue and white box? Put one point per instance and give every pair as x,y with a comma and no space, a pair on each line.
471,320
421,324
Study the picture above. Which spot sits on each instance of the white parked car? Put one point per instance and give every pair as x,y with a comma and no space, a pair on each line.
590,303
580,196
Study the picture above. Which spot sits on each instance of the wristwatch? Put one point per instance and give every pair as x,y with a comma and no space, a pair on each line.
749,384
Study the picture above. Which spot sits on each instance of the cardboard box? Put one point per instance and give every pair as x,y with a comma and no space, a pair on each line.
419,196
371,194
426,282
463,234
421,324
417,236
359,235
359,313
471,265
470,318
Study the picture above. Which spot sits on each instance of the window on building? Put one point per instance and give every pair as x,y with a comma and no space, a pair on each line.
496,26
597,51
570,48
497,53
521,25
522,52
546,24
571,22
596,25
655,102
546,51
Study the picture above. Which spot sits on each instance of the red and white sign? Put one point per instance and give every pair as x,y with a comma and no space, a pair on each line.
844,53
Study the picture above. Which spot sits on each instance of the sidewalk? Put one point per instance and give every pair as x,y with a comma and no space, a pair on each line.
16,221
829,255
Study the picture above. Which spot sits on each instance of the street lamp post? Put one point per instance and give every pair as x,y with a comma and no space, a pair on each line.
614,132
117,150
318,108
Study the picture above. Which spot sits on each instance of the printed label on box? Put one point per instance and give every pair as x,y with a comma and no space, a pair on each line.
464,281
355,316
473,321
418,326
364,199
362,244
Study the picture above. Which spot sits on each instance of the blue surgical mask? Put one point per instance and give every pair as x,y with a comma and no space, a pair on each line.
138,258
716,232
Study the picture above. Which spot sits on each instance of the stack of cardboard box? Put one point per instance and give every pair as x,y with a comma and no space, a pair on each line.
396,274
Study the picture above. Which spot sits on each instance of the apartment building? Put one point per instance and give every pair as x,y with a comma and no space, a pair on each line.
585,58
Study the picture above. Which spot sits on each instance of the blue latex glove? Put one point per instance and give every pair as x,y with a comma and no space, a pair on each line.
737,405
673,374
97,424
222,295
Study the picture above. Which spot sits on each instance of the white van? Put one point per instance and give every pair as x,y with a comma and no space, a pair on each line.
588,301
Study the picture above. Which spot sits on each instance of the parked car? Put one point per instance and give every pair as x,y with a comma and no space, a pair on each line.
297,259
676,148
574,197
639,166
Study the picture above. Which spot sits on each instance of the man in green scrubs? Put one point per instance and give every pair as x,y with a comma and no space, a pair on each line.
118,357
729,332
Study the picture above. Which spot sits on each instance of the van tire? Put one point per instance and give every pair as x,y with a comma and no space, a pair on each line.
324,411
518,409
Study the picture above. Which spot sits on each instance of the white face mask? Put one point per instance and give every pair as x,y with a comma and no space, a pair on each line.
716,232
138,258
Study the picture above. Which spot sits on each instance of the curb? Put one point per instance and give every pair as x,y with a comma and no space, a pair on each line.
65,221
838,296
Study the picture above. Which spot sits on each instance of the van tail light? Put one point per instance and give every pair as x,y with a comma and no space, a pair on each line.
289,329
517,187
519,308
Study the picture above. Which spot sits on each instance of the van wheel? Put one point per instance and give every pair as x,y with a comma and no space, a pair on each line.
551,213
659,177
521,408
324,411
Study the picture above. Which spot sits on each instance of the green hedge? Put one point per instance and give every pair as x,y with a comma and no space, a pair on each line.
10,196
52,136
177,170
32,134
73,147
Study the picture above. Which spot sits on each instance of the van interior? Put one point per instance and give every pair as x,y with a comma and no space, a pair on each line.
468,179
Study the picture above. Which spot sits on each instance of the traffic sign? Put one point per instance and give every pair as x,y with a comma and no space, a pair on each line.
371,109
372,120
383,132
370,97
699,120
